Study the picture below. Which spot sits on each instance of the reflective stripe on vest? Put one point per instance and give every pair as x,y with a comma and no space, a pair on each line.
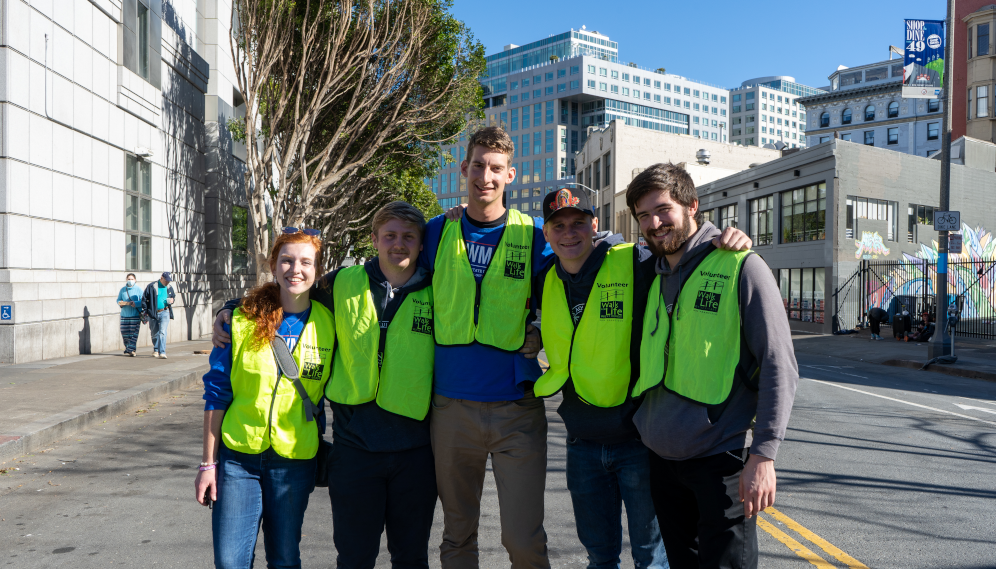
595,355
267,411
500,299
703,332
402,383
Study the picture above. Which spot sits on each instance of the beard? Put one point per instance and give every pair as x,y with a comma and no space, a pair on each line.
674,240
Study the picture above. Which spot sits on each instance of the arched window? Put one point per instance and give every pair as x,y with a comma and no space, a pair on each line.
893,110
870,113
825,120
845,117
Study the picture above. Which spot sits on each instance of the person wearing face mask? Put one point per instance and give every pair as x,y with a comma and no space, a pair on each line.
130,301
261,427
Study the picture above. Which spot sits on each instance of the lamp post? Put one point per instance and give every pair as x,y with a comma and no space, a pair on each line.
940,344
591,191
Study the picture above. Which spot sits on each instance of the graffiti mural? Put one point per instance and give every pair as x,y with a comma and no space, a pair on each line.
971,273
870,244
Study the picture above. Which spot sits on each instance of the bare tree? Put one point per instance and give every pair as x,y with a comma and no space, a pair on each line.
336,91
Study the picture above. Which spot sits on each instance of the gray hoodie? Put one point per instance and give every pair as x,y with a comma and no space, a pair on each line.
679,429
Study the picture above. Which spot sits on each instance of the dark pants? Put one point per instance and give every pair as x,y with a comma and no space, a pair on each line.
700,514
374,490
876,325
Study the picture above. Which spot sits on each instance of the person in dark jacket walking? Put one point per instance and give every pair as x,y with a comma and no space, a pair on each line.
593,301
719,375
157,301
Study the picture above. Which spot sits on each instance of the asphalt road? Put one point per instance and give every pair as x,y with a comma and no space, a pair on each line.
863,481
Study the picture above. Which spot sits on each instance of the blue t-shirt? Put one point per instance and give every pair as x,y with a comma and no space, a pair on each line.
477,372
218,379
133,294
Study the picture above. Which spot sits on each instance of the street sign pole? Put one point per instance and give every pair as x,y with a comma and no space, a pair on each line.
940,343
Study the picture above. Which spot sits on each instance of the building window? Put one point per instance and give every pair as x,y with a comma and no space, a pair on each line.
982,100
919,215
803,293
762,220
561,87
870,137
893,135
876,210
846,136
549,140
138,214
240,239
869,113
845,117
608,168
893,109
615,75
525,138
709,215
933,105
575,84
602,86
602,71
591,69
575,69
591,83
933,129
728,216
824,120
824,139
804,214
598,175
983,39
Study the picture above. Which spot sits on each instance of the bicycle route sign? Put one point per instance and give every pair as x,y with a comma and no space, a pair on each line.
947,220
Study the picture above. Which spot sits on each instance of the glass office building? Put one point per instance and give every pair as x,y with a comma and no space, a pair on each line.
548,92
766,111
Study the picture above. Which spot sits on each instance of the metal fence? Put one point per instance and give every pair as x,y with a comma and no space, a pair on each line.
909,285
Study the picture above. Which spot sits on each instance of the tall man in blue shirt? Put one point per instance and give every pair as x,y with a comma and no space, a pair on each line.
483,404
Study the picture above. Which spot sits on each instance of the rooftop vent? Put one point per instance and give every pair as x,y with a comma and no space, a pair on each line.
703,156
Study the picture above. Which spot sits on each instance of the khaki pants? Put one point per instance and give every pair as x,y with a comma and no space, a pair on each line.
464,433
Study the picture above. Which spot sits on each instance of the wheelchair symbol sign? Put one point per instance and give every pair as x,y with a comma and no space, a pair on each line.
6,312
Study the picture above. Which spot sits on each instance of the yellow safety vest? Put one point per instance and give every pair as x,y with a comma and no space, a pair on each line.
500,300
698,345
595,354
398,373
267,410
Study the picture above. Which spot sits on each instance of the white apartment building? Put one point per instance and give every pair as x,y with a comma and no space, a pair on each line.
548,93
766,110
865,105
114,158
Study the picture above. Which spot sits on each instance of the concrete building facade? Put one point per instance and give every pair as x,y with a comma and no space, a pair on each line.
979,28
615,154
766,110
814,214
865,105
549,92
114,158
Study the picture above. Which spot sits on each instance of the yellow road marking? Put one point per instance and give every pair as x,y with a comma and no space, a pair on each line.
545,363
792,544
825,545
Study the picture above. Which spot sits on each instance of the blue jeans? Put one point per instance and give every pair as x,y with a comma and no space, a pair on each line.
601,478
158,326
260,489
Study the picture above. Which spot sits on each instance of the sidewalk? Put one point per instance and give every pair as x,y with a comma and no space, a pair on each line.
42,402
976,356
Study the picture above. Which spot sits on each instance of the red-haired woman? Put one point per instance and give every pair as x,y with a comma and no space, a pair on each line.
260,436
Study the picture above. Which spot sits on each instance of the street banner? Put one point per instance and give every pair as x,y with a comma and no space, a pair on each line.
923,66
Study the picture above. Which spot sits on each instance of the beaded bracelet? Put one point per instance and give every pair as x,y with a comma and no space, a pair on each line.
208,467
209,463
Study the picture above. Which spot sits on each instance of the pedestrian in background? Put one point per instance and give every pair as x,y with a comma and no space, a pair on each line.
130,301
261,427
158,303
876,316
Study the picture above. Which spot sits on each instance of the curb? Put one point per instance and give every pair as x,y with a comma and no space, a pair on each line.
941,368
35,436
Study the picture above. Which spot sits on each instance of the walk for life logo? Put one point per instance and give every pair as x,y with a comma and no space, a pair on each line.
611,304
515,264
422,318
709,295
312,370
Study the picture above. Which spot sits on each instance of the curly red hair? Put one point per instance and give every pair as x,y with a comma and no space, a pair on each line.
262,304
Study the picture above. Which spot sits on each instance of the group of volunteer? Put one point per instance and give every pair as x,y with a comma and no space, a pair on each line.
674,361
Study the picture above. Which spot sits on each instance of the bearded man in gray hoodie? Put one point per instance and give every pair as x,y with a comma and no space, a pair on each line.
718,375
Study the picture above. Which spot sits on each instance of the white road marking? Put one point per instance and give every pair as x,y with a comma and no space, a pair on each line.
978,400
901,401
835,370
969,407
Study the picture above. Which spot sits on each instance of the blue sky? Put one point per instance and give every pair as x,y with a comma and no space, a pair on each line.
716,41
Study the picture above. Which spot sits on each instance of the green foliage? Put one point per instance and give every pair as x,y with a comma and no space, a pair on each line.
237,127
